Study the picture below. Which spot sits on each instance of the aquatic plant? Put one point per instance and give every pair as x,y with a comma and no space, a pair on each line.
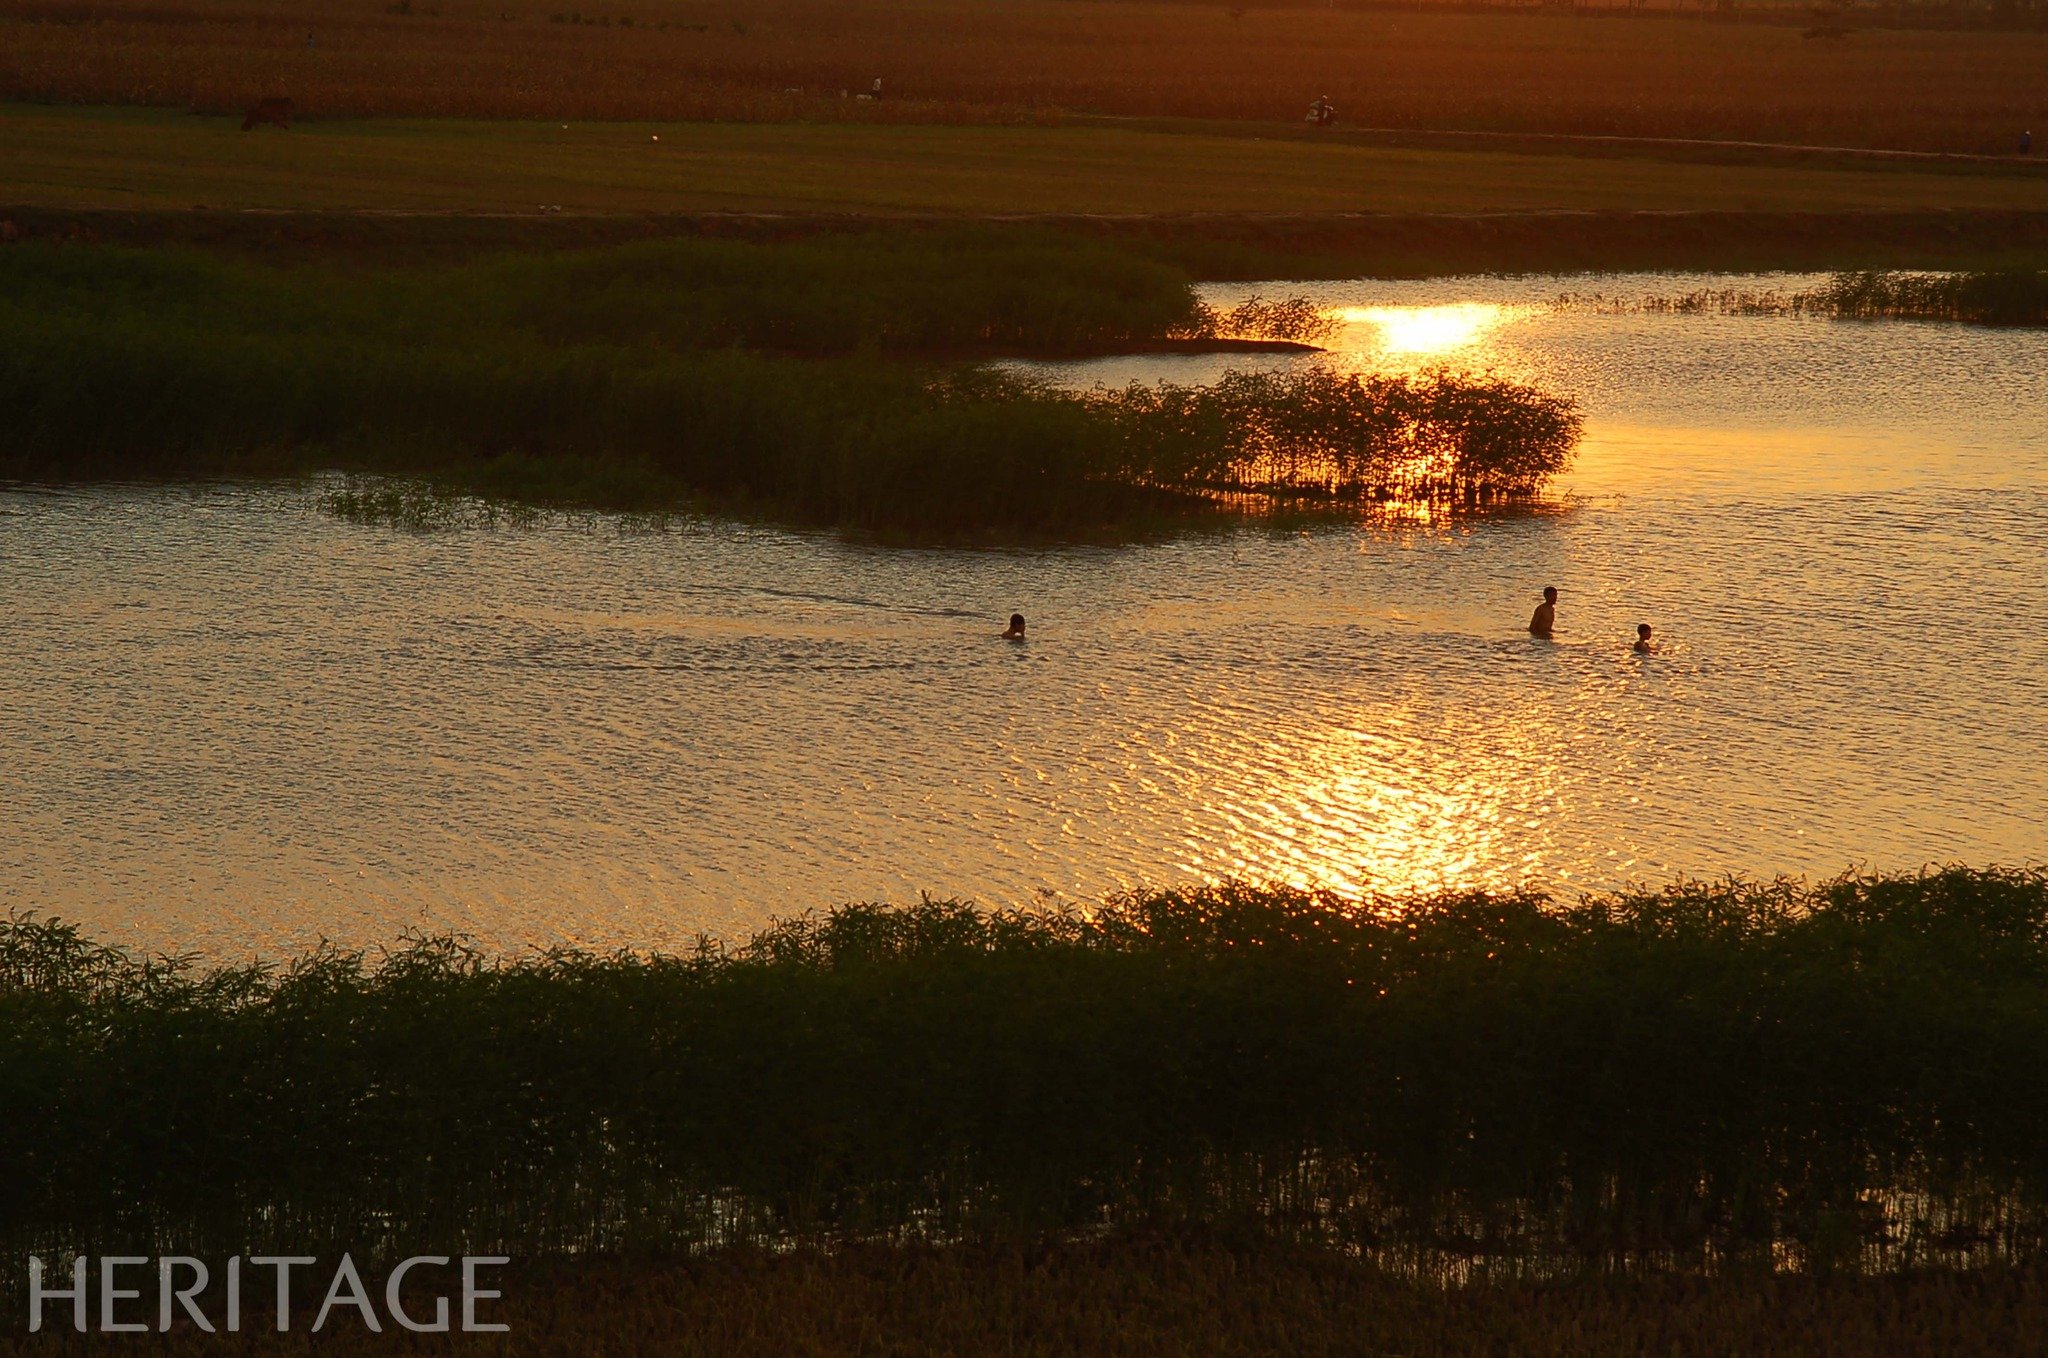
2007,297
2010,297
1289,318
1844,1074
827,380
1436,437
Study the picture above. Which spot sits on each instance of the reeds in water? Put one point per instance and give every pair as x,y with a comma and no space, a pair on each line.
825,380
1437,438
2011,297
1289,318
1845,1074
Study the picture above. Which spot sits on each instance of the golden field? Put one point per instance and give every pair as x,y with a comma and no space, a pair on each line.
1636,74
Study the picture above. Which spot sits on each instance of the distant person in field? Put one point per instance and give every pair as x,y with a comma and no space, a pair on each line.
875,90
1016,632
277,112
1322,112
1544,622
1644,646
2026,143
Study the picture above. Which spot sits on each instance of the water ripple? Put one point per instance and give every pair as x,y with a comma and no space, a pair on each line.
230,722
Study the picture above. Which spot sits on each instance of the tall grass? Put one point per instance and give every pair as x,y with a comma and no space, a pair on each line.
821,379
2013,297
961,289
1846,1074
2009,297
1544,69
1348,436
1288,318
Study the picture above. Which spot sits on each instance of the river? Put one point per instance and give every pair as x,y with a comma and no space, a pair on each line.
233,723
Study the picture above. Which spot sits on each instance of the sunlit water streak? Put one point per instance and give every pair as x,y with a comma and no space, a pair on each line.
230,722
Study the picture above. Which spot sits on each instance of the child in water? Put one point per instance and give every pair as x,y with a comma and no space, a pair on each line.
1644,646
1016,632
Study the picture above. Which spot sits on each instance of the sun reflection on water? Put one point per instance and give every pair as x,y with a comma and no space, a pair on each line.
1346,812
1425,331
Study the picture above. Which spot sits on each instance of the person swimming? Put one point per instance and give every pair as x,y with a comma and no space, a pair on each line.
1545,619
1644,646
1016,632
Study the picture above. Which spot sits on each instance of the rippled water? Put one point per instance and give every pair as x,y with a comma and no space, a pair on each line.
230,722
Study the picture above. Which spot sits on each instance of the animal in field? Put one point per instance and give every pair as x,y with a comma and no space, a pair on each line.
278,111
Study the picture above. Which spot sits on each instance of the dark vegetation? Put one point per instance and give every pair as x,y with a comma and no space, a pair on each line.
2013,297
1841,1077
1221,245
1350,437
2009,297
829,379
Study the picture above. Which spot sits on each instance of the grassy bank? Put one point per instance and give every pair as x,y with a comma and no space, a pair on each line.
1253,246
1552,69
826,380
1838,1076
1163,1294
127,159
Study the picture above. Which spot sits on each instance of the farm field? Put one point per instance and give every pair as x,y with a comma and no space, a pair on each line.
1644,74
154,160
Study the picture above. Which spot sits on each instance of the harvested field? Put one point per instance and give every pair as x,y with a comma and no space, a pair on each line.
1532,70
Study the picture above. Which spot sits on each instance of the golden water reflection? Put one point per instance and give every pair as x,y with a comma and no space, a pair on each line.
1349,809
1424,332
234,724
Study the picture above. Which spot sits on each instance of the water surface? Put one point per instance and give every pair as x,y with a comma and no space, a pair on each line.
230,722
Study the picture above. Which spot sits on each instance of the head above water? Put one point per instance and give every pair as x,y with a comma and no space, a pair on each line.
1643,630
1016,622
1550,594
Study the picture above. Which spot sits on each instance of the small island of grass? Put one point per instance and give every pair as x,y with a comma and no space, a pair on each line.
837,380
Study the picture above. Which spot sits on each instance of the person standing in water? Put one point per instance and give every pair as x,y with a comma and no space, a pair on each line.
1545,619
1644,646
1016,632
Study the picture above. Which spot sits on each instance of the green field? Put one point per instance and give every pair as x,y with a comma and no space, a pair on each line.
154,160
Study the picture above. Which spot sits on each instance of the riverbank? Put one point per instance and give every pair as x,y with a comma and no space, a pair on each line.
1207,245
150,159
